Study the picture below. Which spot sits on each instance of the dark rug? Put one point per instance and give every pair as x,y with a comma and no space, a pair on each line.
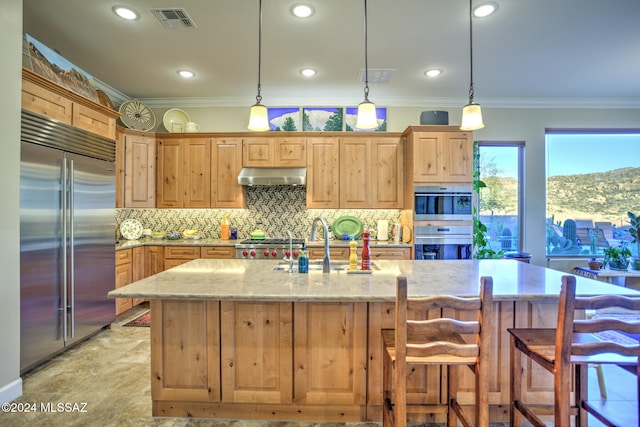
143,320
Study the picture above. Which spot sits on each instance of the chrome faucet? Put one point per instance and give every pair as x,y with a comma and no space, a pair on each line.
326,263
290,251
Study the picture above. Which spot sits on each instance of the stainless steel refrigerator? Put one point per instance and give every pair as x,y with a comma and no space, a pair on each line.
67,236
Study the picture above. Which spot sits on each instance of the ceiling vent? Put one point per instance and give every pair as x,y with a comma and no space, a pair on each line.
173,18
378,75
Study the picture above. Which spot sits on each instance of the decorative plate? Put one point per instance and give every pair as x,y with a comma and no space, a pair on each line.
136,115
175,120
349,225
131,229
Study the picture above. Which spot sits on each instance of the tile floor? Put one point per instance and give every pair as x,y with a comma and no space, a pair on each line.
110,373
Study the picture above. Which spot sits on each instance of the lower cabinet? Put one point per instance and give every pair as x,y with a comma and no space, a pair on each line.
176,255
130,267
342,253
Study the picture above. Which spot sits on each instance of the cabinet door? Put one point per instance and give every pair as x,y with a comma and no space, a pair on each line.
427,157
197,172
123,278
388,178
258,152
263,375
457,157
140,171
226,163
291,152
153,260
93,121
355,173
330,353
169,182
46,103
323,173
120,169
185,350
137,269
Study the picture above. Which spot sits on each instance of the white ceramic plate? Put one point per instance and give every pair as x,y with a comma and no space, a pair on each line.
175,120
131,229
196,237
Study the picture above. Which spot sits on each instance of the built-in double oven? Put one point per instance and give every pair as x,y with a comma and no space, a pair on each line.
443,226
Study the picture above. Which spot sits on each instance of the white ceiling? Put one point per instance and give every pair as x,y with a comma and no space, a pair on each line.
531,53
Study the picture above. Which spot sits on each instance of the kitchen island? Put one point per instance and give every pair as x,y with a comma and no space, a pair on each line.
238,339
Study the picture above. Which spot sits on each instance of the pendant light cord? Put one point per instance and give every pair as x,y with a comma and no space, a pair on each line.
259,97
366,59
470,53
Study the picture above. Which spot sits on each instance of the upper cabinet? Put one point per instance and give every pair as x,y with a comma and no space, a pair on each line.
358,172
136,166
42,96
323,173
264,152
371,173
183,173
226,162
440,156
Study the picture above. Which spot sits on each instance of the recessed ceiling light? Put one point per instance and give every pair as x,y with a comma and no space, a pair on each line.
433,72
302,10
485,9
308,72
186,74
125,13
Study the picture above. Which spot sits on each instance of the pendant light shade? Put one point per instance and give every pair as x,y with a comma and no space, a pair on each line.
471,113
258,118
367,118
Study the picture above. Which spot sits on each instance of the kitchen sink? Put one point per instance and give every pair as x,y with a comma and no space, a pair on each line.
316,265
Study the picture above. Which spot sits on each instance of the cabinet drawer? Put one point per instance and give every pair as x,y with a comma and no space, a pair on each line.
180,252
123,256
334,253
170,263
388,253
221,252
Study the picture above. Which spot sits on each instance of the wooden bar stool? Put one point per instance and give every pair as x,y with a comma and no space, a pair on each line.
437,342
572,344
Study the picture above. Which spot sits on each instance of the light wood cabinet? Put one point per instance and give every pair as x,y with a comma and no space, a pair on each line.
44,97
138,269
342,253
186,351
323,173
371,173
124,276
330,353
177,255
263,374
183,173
441,157
261,152
136,171
226,163
153,260
218,252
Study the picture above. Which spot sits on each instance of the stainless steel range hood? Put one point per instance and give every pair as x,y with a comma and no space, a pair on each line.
273,176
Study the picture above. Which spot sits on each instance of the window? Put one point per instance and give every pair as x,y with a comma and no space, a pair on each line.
500,202
593,180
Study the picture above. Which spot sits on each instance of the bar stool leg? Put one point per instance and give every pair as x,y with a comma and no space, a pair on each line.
515,361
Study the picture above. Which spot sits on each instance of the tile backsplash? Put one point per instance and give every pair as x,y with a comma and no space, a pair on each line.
272,209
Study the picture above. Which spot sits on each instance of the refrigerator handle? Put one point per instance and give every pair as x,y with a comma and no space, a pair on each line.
65,269
72,290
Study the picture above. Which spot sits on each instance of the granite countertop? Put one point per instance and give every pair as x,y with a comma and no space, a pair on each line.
255,280
127,244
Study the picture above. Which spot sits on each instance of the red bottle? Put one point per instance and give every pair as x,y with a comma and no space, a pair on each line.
366,254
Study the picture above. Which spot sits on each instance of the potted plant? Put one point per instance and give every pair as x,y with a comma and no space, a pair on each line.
617,258
634,230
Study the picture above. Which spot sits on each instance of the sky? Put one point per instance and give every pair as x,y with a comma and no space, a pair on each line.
573,154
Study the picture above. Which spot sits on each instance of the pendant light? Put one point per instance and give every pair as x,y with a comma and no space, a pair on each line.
258,118
366,118
471,113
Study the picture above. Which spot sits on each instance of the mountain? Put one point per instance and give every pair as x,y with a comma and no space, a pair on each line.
603,196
